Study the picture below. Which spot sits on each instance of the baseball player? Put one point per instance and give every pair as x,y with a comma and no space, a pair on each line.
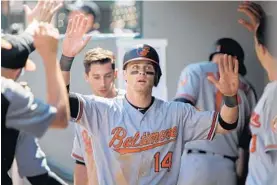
263,145
20,110
139,139
222,151
100,73
231,47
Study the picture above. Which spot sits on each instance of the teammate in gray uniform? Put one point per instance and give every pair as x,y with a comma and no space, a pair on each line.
263,146
139,139
20,110
100,73
222,151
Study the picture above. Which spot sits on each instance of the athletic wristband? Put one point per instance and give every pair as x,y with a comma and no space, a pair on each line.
230,101
227,126
66,63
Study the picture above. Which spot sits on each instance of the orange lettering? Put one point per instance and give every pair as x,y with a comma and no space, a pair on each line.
128,142
147,141
253,143
136,139
174,132
119,134
255,120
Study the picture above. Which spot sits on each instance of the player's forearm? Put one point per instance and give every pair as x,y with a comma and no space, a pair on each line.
65,64
80,175
56,92
228,116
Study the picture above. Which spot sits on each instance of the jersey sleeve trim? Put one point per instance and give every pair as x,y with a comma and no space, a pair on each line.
213,127
270,147
187,96
81,109
77,157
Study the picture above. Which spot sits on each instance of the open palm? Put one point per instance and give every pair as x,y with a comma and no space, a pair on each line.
74,40
254,12
228,82
43,11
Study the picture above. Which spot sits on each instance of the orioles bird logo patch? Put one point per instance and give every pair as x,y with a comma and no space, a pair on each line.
274,124
143,51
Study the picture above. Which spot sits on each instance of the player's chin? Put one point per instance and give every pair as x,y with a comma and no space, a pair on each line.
143,88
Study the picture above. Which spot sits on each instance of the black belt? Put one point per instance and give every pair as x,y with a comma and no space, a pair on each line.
204,152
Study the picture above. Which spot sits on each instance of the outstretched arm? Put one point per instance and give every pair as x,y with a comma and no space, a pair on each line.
46,43
228,85
73,43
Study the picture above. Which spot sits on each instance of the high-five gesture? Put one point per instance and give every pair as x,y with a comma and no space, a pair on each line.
74,40
46,40
254,12
228,82
43,11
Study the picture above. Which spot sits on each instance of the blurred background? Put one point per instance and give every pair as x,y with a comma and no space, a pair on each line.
188,28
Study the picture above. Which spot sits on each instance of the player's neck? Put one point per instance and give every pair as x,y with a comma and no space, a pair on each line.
139,100
272,70
113,93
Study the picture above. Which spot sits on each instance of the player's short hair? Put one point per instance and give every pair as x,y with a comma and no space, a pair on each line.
265,34
98,56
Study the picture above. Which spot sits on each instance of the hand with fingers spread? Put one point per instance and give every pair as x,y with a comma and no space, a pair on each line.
254,12
228,82
74,42
46,40
43,11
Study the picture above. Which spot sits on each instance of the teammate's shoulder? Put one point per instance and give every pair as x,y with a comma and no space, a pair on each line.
271,89
201,67
173,104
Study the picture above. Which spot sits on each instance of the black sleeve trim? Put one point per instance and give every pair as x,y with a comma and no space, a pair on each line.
74,105
184,100
227,126
79,162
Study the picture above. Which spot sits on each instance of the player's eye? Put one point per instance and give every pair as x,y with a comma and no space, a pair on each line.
149,68
108,76
96,77
135,67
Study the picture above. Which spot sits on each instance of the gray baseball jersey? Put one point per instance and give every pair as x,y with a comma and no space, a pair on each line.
134,148
82,148
194,86
30,158
263,146
26,113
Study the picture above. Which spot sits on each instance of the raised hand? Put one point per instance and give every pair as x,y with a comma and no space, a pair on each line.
254,12
74,40
228,82
46,40
43,11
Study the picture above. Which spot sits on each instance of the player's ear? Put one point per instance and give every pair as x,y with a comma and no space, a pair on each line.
125,75
86,76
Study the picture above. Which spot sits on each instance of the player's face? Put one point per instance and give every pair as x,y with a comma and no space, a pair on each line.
139,76
101,79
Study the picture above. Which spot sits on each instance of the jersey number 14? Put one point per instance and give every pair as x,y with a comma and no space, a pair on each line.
165,163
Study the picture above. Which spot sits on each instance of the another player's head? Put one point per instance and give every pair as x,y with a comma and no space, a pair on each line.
100,71
141,68
89,9
231,47
14,60
265,43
